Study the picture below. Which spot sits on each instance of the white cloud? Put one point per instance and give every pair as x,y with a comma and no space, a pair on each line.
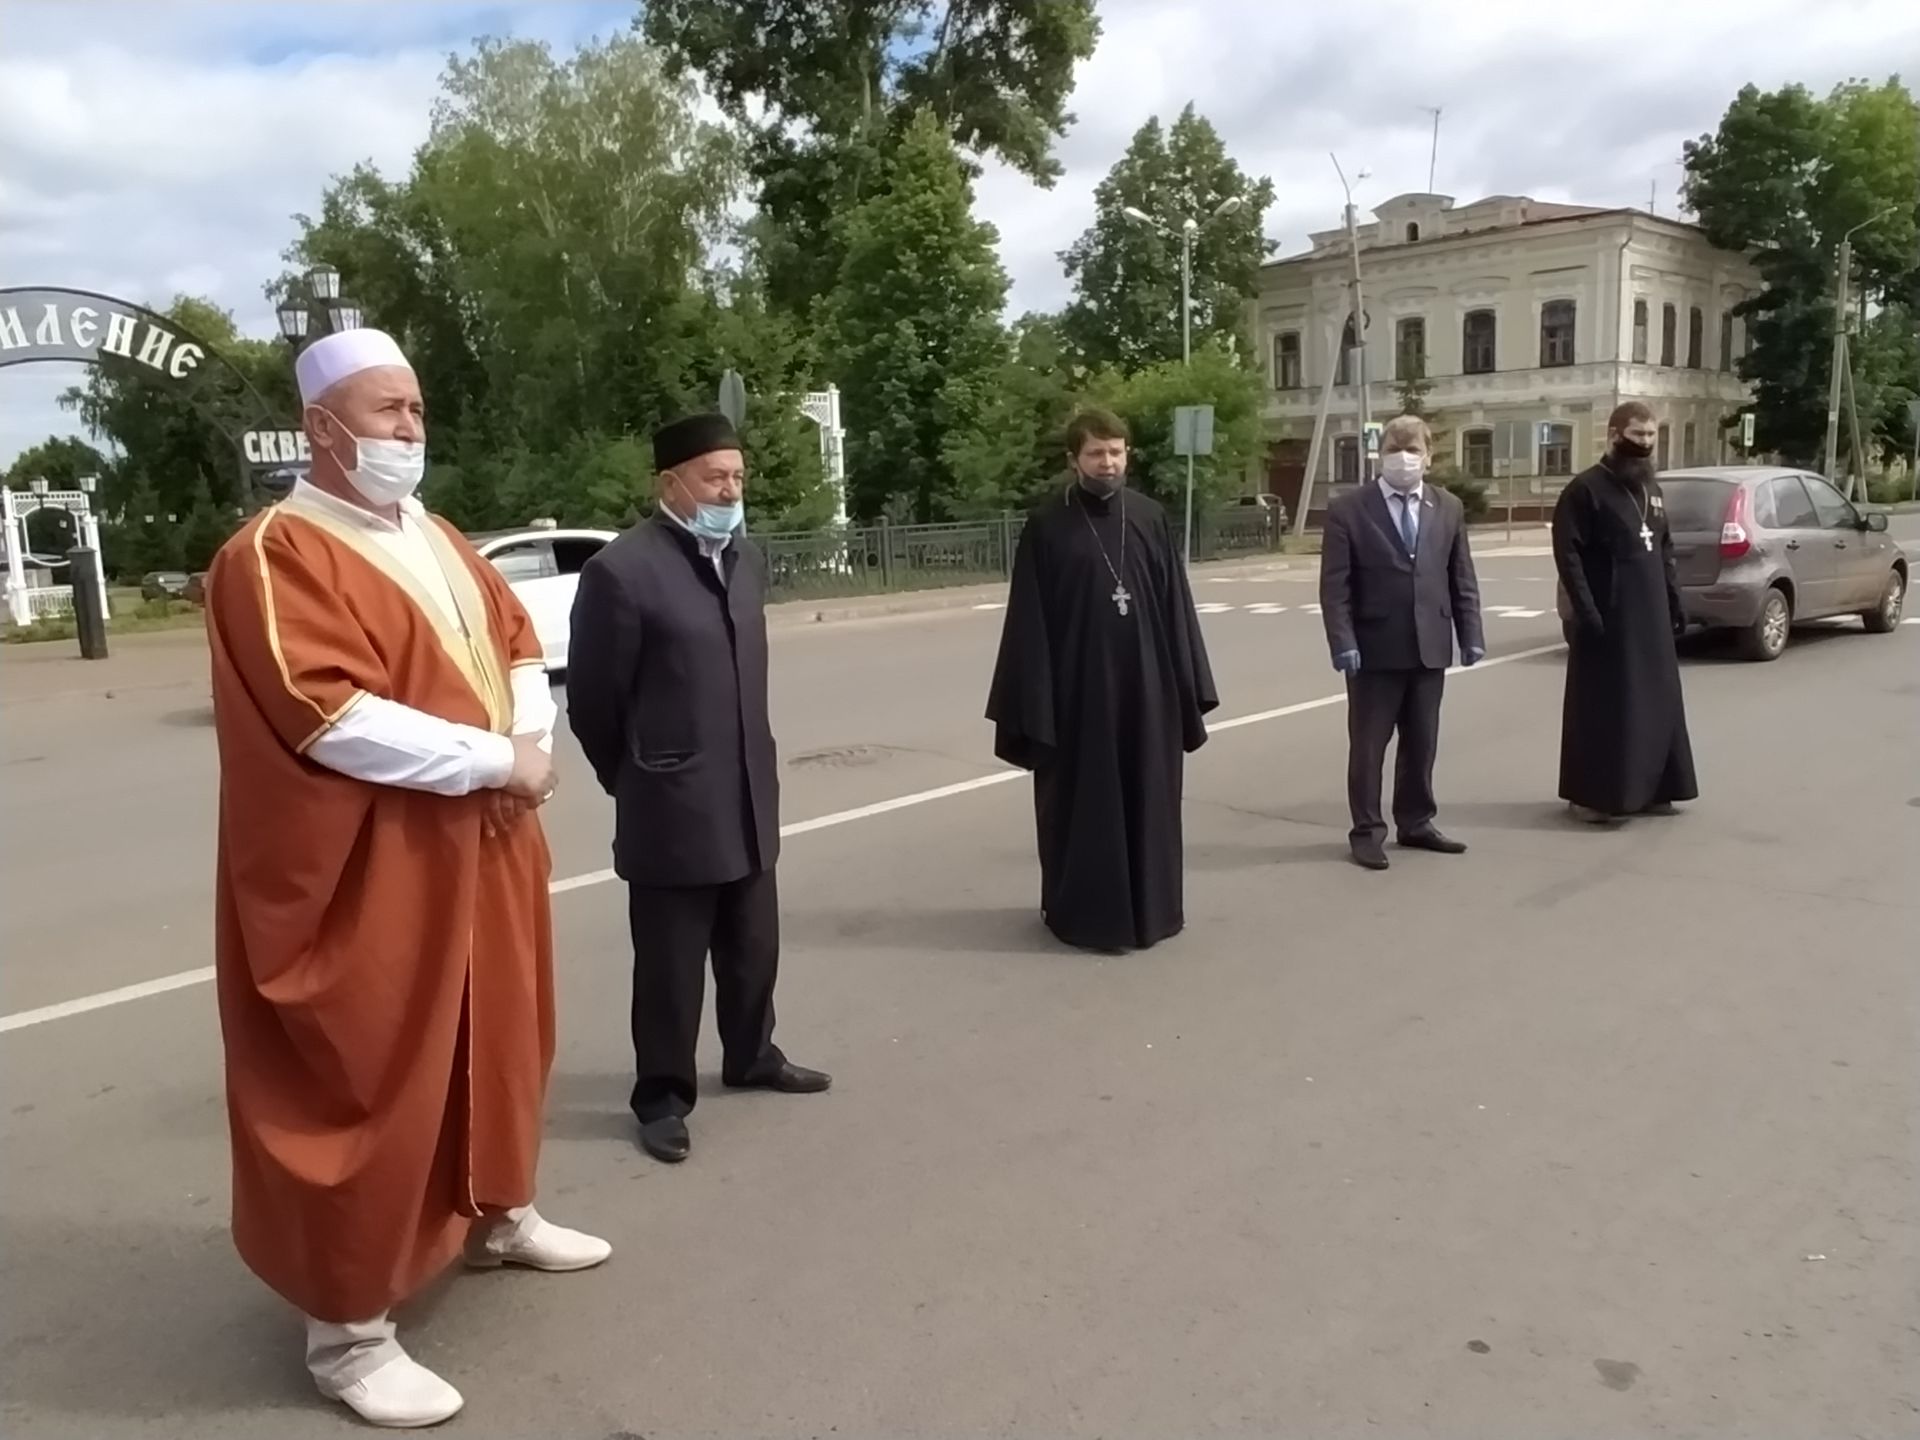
152,148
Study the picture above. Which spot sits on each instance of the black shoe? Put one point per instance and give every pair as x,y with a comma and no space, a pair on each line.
789,1079
1428,838
1369,854
666,1139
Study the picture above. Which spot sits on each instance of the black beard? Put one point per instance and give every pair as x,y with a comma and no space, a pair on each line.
1102,484
1636,470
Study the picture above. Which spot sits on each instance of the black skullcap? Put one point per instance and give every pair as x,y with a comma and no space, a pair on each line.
693,436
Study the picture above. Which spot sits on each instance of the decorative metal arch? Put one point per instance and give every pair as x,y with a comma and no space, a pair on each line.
55,323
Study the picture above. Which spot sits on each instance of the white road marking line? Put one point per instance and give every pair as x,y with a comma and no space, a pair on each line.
1214,608
105,999
1914,621
1507,612
1311,609
992,605
65,1008
1266,609
1491,662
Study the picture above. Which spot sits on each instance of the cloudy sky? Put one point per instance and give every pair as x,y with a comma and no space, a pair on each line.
157,147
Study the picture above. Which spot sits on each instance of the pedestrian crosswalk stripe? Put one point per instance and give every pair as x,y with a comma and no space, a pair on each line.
1266,609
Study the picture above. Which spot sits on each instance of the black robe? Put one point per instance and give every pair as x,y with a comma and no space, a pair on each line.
1623,732
1102,707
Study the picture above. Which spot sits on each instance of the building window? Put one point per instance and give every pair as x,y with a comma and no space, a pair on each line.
1410,348
1639,332
1477,334
1726,341
1286,360
1556,333
1696,336
1343,370
1687,455
1346,460
1746,339
1413,232
1476,454
1663,453
1556,450
1669,325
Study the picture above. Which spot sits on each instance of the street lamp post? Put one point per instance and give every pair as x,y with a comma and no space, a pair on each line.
1189,229
314,307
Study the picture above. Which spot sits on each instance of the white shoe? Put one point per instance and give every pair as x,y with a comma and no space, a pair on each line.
534,1243
402,1395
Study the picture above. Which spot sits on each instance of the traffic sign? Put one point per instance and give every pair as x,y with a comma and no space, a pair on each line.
1746,430
1373,430
1193,430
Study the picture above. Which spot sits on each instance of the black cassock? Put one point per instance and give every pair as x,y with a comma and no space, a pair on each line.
1623,734
1102,707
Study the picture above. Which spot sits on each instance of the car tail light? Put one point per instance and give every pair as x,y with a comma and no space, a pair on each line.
1734,539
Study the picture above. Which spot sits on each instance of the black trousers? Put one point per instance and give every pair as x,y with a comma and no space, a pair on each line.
1380,702
674,929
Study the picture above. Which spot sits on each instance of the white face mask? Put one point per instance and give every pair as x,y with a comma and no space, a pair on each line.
385,471
1402,469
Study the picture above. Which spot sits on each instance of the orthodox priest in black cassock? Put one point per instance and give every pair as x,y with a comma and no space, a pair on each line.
1624,748
1099,690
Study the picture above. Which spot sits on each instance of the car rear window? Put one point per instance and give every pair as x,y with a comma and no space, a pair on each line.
1696,504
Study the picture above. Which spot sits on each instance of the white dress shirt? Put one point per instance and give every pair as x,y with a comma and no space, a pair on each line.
1414,499
384,742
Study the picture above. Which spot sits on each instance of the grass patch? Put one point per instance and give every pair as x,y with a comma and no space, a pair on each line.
128,619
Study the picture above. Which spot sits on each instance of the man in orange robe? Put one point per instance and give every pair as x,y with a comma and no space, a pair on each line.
383,945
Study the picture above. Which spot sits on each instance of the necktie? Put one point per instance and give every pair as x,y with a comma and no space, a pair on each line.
1407,532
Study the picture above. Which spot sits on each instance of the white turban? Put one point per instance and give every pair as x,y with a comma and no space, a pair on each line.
333,358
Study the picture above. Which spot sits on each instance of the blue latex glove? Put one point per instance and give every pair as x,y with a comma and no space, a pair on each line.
1347,662
1472,656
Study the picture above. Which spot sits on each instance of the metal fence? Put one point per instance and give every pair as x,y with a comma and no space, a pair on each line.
874,558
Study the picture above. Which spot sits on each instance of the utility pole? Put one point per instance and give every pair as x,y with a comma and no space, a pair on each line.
1837,369
1359,315
1433,157
1187,231
1842,363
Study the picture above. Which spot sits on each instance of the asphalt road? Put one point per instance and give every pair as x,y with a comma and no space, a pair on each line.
1581,1134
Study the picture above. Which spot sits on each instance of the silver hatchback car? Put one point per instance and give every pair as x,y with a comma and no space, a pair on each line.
1759,549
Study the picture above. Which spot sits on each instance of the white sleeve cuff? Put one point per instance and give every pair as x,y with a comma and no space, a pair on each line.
382,742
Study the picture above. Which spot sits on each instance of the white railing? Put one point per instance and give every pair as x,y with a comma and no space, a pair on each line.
45,602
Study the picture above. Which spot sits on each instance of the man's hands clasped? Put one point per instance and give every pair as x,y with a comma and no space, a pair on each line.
530,784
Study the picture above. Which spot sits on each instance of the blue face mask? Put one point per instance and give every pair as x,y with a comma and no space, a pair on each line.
711,522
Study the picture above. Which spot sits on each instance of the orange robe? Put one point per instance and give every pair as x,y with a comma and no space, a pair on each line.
384,969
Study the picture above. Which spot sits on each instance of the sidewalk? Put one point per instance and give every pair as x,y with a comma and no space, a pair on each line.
1488,541
164,659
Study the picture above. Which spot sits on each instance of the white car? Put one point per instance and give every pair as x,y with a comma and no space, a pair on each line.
542,567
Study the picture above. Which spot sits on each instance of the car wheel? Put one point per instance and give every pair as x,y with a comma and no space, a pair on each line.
1766,638
1884,618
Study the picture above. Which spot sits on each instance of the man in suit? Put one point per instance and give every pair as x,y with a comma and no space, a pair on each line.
1396,586
667,693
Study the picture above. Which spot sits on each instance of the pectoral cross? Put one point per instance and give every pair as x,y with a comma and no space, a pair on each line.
1646,535
1120,598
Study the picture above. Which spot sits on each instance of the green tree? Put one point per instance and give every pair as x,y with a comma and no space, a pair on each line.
1126,272
825,88
177,440
1015,447
914,325
545,264
1147,399
60,460
1783,179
